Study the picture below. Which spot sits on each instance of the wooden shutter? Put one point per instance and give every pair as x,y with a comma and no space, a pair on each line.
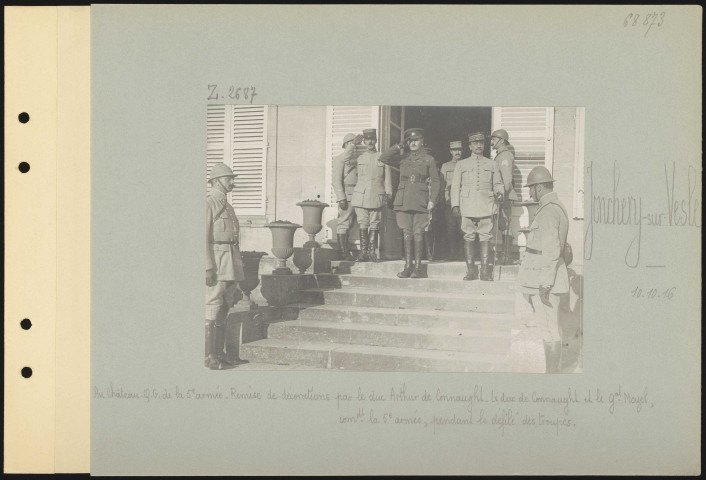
341,120
237,136
531,131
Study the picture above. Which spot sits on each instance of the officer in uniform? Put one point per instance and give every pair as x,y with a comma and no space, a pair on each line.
344,178
369,195
453,223
543,277
475,186
419,186
505,160
224,267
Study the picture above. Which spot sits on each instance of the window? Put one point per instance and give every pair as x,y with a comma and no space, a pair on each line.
237,136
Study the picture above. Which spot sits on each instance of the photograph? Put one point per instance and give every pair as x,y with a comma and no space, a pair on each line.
394,238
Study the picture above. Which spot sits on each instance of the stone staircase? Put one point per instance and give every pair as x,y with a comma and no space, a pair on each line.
362,317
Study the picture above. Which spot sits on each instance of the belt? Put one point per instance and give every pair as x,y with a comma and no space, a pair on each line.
532,250
415,178
226,243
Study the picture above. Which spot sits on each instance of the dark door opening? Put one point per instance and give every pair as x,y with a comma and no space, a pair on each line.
441,125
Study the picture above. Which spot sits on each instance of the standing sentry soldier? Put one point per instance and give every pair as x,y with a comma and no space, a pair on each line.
475,187
543,277
344,178
369,195
419,186
453,223
505,161
224,267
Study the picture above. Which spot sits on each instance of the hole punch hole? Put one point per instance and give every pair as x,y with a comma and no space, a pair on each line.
26,372
26,324
24,167
23,117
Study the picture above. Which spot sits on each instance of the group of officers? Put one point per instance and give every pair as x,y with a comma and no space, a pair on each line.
474,189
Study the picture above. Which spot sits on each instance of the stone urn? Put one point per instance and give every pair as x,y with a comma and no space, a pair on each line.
282,244
313,210
251,266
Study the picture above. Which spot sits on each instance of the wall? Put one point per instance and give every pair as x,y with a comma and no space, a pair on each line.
563,173
295,171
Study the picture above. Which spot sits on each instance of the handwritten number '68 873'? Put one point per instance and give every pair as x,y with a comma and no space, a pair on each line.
653,19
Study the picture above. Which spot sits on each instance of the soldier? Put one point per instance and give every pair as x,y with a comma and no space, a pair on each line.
224,267
475,180
543,277
505,160
369,195
419,185
344,178
453,224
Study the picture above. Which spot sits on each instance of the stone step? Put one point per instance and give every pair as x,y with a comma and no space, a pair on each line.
370,358
314,295
422,318
479,341
413,298
433,269
433,284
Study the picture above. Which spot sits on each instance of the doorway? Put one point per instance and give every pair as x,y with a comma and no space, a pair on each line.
441,125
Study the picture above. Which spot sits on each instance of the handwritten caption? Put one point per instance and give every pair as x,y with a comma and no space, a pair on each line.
433,409
232,92
645,21
609,205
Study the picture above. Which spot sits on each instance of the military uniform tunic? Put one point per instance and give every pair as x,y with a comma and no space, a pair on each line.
543,264
344,178
416,169
453,224
369,193
222,254
475,180
505,161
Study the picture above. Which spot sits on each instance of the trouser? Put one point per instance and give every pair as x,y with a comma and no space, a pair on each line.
412,223
368,218
483,226
453,224
345,218
546,317
219,299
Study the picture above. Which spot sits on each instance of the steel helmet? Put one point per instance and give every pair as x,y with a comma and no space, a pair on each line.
501,133
221,170
347,138
539,175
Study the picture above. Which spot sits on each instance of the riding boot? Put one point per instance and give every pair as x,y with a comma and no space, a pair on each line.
211,361
372,256
429,244
219,342
469,250
343,245
552,352
486,273
418,246
454,248
408,255
363,255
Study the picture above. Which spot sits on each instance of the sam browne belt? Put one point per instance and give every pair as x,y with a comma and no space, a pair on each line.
415,178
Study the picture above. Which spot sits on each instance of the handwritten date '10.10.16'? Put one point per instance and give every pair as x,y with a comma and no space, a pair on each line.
654,293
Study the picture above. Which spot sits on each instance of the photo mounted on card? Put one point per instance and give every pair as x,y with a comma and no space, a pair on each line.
401,239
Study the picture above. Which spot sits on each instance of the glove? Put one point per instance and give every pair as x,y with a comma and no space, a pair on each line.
456,211
389,200
499,197
210,278
358,139
402,145
544,295
343,204
430,205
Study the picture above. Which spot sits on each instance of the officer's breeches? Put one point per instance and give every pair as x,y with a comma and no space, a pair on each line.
547,317
219,299
482,226
413,223
345,218
368,218
453,224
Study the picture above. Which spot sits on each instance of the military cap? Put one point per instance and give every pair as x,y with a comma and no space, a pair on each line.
455,145
347,138
369,133
475,136
221,170
414,133
501,133
539,175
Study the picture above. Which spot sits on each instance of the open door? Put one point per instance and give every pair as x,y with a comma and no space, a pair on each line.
391,130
